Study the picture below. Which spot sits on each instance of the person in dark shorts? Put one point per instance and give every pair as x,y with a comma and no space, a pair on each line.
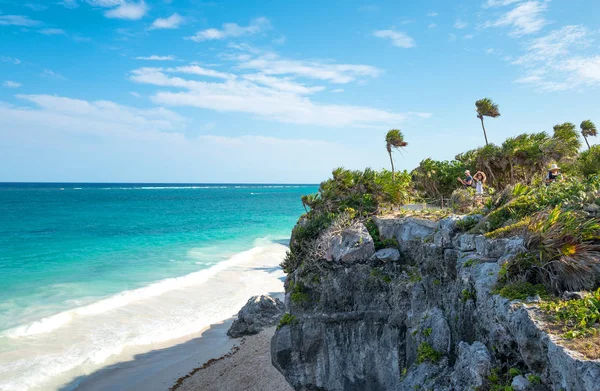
468,181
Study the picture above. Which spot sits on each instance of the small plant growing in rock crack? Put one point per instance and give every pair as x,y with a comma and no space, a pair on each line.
466,295
286,319
471,262
426,352
427,332
436,282
298,295
414,275
466,224
514,372
534,379
376,273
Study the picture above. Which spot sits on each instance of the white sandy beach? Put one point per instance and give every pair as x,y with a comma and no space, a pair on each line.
247,368
159,335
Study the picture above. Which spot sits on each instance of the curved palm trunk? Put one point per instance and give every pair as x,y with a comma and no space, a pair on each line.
587,142
484,132
392,161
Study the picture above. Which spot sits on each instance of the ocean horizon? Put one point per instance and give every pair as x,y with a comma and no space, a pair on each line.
92,271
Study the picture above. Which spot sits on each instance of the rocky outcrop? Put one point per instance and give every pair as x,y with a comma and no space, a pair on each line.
426,319
259,312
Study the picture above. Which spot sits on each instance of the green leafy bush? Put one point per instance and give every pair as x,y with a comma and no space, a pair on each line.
520,290
426,352
286,319
578,318
466,224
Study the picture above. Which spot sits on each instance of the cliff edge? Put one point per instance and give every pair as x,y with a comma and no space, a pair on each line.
418,315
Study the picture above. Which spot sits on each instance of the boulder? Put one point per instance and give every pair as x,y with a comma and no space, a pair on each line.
496,248
353,244
472,366
258,313
520,383
386,255
405,229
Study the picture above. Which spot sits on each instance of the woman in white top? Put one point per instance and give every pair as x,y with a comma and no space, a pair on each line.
479,179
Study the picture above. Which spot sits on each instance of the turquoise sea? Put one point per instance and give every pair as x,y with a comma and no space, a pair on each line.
77,255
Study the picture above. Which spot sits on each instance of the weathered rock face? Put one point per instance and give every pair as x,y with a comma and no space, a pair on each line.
259,312
424,320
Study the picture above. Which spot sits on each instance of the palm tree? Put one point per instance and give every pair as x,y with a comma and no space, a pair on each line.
588,129
394,139
486,108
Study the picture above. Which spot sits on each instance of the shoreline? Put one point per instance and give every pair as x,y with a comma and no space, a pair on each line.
185,364
208,304
246,367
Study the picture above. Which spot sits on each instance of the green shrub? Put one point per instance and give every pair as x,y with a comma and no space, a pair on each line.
462,200
427,332
466,224
534,379
520,290
298,296
286,319
567,243
466,295
578,318
426,352
518,228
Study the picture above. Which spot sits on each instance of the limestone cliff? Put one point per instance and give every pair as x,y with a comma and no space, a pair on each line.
423,319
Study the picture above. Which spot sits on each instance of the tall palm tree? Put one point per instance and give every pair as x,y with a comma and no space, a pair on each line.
394,139
486,108
588,129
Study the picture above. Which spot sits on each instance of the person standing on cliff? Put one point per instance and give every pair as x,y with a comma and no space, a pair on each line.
468,181
479,179
553,174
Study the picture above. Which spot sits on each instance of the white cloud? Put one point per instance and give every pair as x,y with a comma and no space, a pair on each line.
560,60
18,20
10,60
135,94
156,58
155,119
266,102
52,74
52,31
69,3
232,30
153,144
555,45
200,71
460,24
128,11
271,64
105,3
280,41
35,6
11,84
398,39
583,70
432,14
172,22
282,84
498,3
525,18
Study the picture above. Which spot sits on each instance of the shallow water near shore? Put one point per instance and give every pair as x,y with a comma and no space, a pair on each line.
94,275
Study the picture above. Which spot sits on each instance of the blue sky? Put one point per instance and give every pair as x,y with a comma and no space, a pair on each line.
279,91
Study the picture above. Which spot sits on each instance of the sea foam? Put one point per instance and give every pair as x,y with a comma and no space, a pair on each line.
78,341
